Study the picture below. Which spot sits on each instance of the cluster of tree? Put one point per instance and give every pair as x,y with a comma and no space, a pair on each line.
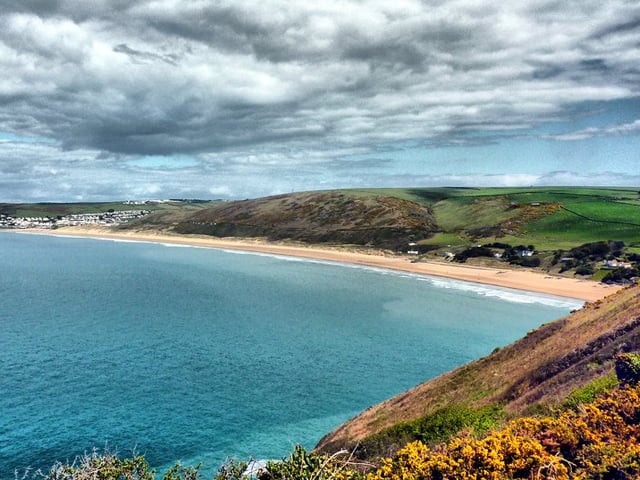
519,255
584,258
472,252
621,275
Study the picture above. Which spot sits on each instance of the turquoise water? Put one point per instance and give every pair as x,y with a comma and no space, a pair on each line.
197,354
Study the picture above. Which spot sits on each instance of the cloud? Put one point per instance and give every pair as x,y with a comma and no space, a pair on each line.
257,87
166,77
590,132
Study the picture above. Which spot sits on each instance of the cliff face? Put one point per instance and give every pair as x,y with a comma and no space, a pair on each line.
317,217
537,370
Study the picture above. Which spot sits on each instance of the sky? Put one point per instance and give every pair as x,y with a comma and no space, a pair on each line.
154,99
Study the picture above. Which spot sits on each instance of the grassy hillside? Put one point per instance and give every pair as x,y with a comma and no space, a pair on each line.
438,218
550,218
334,217
530,375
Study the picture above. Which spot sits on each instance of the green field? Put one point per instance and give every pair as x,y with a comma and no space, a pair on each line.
550,218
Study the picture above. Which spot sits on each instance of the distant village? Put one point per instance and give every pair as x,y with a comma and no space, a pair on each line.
102,219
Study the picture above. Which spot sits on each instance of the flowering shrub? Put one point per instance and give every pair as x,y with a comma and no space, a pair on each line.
598,441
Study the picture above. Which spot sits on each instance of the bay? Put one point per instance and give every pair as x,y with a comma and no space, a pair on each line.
194,354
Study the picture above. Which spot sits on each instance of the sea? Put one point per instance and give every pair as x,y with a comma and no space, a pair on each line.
198,355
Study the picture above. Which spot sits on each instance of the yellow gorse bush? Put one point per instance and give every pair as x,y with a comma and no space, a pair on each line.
600,440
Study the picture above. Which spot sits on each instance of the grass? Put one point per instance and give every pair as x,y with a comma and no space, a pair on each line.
591,391
565,229
442,239
484,215
435,427
463,214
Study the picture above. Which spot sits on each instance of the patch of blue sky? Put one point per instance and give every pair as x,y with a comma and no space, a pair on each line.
598,147
594,115
524,154
164,162
7,137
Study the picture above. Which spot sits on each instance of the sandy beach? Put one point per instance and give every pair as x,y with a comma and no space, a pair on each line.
519,279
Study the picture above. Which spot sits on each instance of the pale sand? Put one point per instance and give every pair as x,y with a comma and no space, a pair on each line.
511,278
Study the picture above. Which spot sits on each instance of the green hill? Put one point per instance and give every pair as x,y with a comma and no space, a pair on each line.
318,217
437,218
550,217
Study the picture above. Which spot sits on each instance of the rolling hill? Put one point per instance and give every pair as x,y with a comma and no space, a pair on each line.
550,218
317,217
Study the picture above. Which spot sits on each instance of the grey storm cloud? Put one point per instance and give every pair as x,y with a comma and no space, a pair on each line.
164,77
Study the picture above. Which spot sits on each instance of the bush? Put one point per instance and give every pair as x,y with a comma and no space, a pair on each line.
531,262
593,251
585,269
628,368
620,275
498,245
301,465
599,441
232,470
473,252
591,391
437,426
103,466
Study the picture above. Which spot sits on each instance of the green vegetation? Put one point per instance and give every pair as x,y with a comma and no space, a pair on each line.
601,441
553,219
434,427
550,218
590,391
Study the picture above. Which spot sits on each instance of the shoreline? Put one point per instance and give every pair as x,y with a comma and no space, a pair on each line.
538,282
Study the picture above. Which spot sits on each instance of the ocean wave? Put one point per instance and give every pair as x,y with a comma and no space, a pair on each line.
506,294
